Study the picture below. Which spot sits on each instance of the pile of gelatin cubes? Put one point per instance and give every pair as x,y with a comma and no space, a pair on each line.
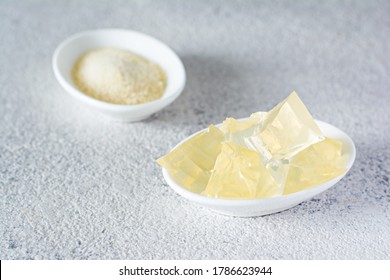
266,155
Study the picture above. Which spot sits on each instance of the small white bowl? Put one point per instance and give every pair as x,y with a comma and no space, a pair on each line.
261,207
72,48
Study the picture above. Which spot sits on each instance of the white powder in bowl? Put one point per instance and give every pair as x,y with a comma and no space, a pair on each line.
118,76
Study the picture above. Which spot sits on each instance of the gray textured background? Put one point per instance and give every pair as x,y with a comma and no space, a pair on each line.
75,186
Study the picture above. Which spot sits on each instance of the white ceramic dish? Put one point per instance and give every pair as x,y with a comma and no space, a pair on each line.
72,48
260,207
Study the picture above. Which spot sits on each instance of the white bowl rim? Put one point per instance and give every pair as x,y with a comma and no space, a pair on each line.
248,202
106,105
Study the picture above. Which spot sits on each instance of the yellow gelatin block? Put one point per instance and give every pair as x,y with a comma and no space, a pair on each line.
239,173
190,163
278,169
316,164
287,129
238,130
231,125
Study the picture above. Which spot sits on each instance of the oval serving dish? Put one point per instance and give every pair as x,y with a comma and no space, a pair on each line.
261,207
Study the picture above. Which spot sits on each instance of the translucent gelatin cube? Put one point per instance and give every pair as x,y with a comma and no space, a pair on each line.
316,164
287,129
239,173
278,169
190,163
238,130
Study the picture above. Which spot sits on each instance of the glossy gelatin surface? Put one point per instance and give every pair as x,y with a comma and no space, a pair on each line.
268,154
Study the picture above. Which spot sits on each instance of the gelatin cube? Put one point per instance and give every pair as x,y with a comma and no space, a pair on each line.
231,125
190,163
278,169
239,173
238,130
315,165
287,129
